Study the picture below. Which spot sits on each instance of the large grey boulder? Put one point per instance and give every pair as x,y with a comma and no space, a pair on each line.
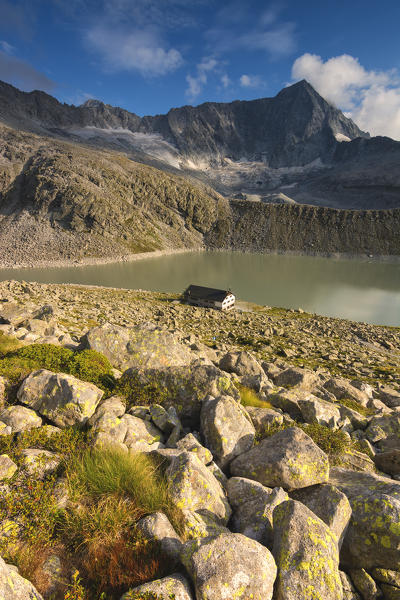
174,586
389,461
382,427
20,418
230,566
157,527
364,584
192,444
61,398
15,587
341,388
372,538
145,346
389,396
184,388
128,432
39,463
227,429
349,591
315,410
7,467
306,555
297,377
329,504
241,363
264,418
287,401
288,459
253,506
193,487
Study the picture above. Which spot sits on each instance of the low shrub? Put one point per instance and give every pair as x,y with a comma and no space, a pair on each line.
362,410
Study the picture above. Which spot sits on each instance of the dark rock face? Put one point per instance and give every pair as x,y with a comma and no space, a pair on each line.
294,128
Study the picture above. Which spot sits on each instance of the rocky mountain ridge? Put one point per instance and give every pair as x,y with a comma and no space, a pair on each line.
293,129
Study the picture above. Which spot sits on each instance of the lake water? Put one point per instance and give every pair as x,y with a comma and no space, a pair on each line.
351,288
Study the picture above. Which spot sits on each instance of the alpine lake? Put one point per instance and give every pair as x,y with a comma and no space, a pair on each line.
358,289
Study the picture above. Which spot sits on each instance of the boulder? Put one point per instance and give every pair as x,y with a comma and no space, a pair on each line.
389,396
296,377
227,429
192,444
194,488
241,363
20,418
253,506
287,401
128,432
349,591
341,389
184,388
195,525
15,587
389,461
61,398
386,576
264,418
355,460
390,592
7,467
364,584
384,426
40,463
329,504
372,538
306,555
288,459
145,346
315,410
166,420
174,586
14,314
157,527
230,566
112,407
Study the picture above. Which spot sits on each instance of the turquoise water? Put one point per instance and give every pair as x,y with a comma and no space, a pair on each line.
350,288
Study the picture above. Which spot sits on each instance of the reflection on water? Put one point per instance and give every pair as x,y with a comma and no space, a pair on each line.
353,289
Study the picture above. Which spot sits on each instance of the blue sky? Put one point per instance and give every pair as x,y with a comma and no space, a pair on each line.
151,55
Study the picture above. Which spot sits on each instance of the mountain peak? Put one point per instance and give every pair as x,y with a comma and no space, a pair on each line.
92,103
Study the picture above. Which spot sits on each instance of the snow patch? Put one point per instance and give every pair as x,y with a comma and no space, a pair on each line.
340,137
152,144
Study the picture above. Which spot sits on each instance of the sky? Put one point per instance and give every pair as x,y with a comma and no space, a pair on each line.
151,55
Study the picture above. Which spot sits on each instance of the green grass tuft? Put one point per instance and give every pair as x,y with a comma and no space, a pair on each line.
249,397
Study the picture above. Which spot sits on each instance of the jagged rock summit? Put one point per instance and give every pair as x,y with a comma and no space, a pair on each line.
294,128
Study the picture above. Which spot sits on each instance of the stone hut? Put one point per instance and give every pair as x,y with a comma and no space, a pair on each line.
198,295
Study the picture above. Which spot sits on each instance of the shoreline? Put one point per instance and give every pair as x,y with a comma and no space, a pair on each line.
98,261
95,261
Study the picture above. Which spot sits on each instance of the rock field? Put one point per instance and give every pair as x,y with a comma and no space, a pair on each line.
277,433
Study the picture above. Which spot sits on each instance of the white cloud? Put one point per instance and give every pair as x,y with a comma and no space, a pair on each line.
251,81
226,82
198,81
22,74
371,98
139,50
6,47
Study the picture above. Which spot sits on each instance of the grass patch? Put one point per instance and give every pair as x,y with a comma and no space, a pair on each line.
8,344
88,365
249,397
111,490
